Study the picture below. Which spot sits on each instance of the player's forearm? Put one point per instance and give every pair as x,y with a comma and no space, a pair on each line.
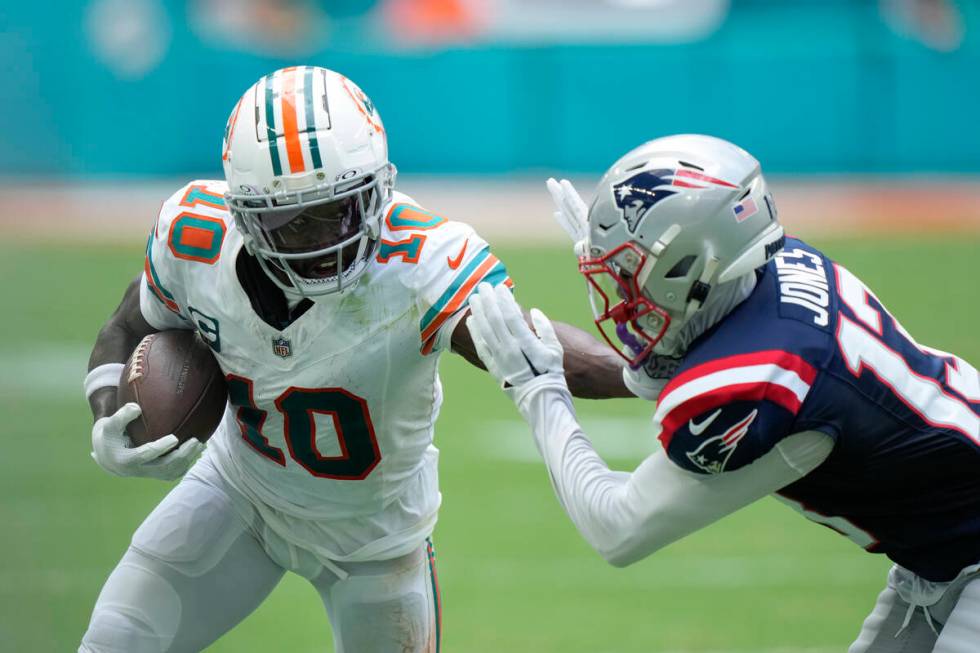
116,341
592,369
628,516
597,499
113,345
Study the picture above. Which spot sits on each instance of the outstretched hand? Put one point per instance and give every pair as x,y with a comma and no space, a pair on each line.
571,213
510,350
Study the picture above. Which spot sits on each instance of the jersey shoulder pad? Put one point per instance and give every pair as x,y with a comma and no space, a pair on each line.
791,310
193,222
190,229
724,413
448,260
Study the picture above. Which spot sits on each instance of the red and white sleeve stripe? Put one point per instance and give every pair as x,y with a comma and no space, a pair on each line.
777,376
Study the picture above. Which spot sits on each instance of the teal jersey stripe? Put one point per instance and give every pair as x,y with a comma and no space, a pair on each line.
496,276
460,279
435,592
153,272
311,118
270,128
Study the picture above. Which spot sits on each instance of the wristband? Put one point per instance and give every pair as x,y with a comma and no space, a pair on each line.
103,376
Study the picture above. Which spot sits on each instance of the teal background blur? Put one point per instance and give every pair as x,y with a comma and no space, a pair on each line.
808,86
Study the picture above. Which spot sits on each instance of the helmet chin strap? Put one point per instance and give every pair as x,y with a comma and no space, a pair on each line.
721,301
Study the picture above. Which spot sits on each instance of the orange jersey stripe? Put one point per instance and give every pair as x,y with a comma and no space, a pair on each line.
461,295
172,305
294,150
430,344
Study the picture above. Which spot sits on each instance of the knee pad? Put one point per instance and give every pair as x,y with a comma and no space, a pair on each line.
138,611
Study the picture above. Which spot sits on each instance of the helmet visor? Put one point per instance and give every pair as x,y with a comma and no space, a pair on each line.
314,228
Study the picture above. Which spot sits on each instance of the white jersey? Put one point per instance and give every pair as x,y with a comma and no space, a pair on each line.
329,427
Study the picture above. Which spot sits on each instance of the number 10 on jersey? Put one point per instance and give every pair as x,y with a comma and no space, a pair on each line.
359,453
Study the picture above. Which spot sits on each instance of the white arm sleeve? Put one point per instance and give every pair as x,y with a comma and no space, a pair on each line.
627,516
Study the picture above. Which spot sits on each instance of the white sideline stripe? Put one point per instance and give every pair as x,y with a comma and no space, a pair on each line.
613,437
55,368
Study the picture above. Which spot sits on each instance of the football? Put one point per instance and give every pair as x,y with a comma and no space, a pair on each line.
178,384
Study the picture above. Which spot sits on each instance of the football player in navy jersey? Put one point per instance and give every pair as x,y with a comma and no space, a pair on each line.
775,371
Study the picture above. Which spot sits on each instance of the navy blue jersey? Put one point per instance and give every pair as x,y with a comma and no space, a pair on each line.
812,349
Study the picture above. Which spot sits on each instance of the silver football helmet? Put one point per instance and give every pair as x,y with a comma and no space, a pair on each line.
671,222
306,160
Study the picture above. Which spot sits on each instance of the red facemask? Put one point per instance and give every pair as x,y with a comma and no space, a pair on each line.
609,284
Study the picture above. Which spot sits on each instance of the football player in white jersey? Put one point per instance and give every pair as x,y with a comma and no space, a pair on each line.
326,298
775,371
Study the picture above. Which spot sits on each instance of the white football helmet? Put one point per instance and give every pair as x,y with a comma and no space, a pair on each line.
672,220
306,160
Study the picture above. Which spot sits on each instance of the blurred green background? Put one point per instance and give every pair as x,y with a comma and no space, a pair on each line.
514,573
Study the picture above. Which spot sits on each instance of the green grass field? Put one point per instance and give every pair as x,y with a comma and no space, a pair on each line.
515,575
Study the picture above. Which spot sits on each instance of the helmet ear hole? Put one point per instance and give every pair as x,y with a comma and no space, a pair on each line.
681,268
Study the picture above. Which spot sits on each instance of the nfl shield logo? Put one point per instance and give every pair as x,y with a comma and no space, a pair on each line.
281,347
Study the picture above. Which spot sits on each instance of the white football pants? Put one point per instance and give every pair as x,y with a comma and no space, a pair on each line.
195,568
952,608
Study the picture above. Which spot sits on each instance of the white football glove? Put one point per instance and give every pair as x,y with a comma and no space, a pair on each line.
115,453
517,357
572,214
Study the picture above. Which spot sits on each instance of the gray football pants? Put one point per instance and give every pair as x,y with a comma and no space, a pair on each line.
955,621
195,569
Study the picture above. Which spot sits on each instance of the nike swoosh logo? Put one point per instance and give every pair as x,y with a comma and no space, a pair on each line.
454,262
698,429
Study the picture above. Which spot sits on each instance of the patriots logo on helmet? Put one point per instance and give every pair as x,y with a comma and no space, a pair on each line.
712,456
641,192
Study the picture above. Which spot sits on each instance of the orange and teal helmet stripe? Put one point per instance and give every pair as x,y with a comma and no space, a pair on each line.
311,118
281,92
290,128
230,129
270,126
